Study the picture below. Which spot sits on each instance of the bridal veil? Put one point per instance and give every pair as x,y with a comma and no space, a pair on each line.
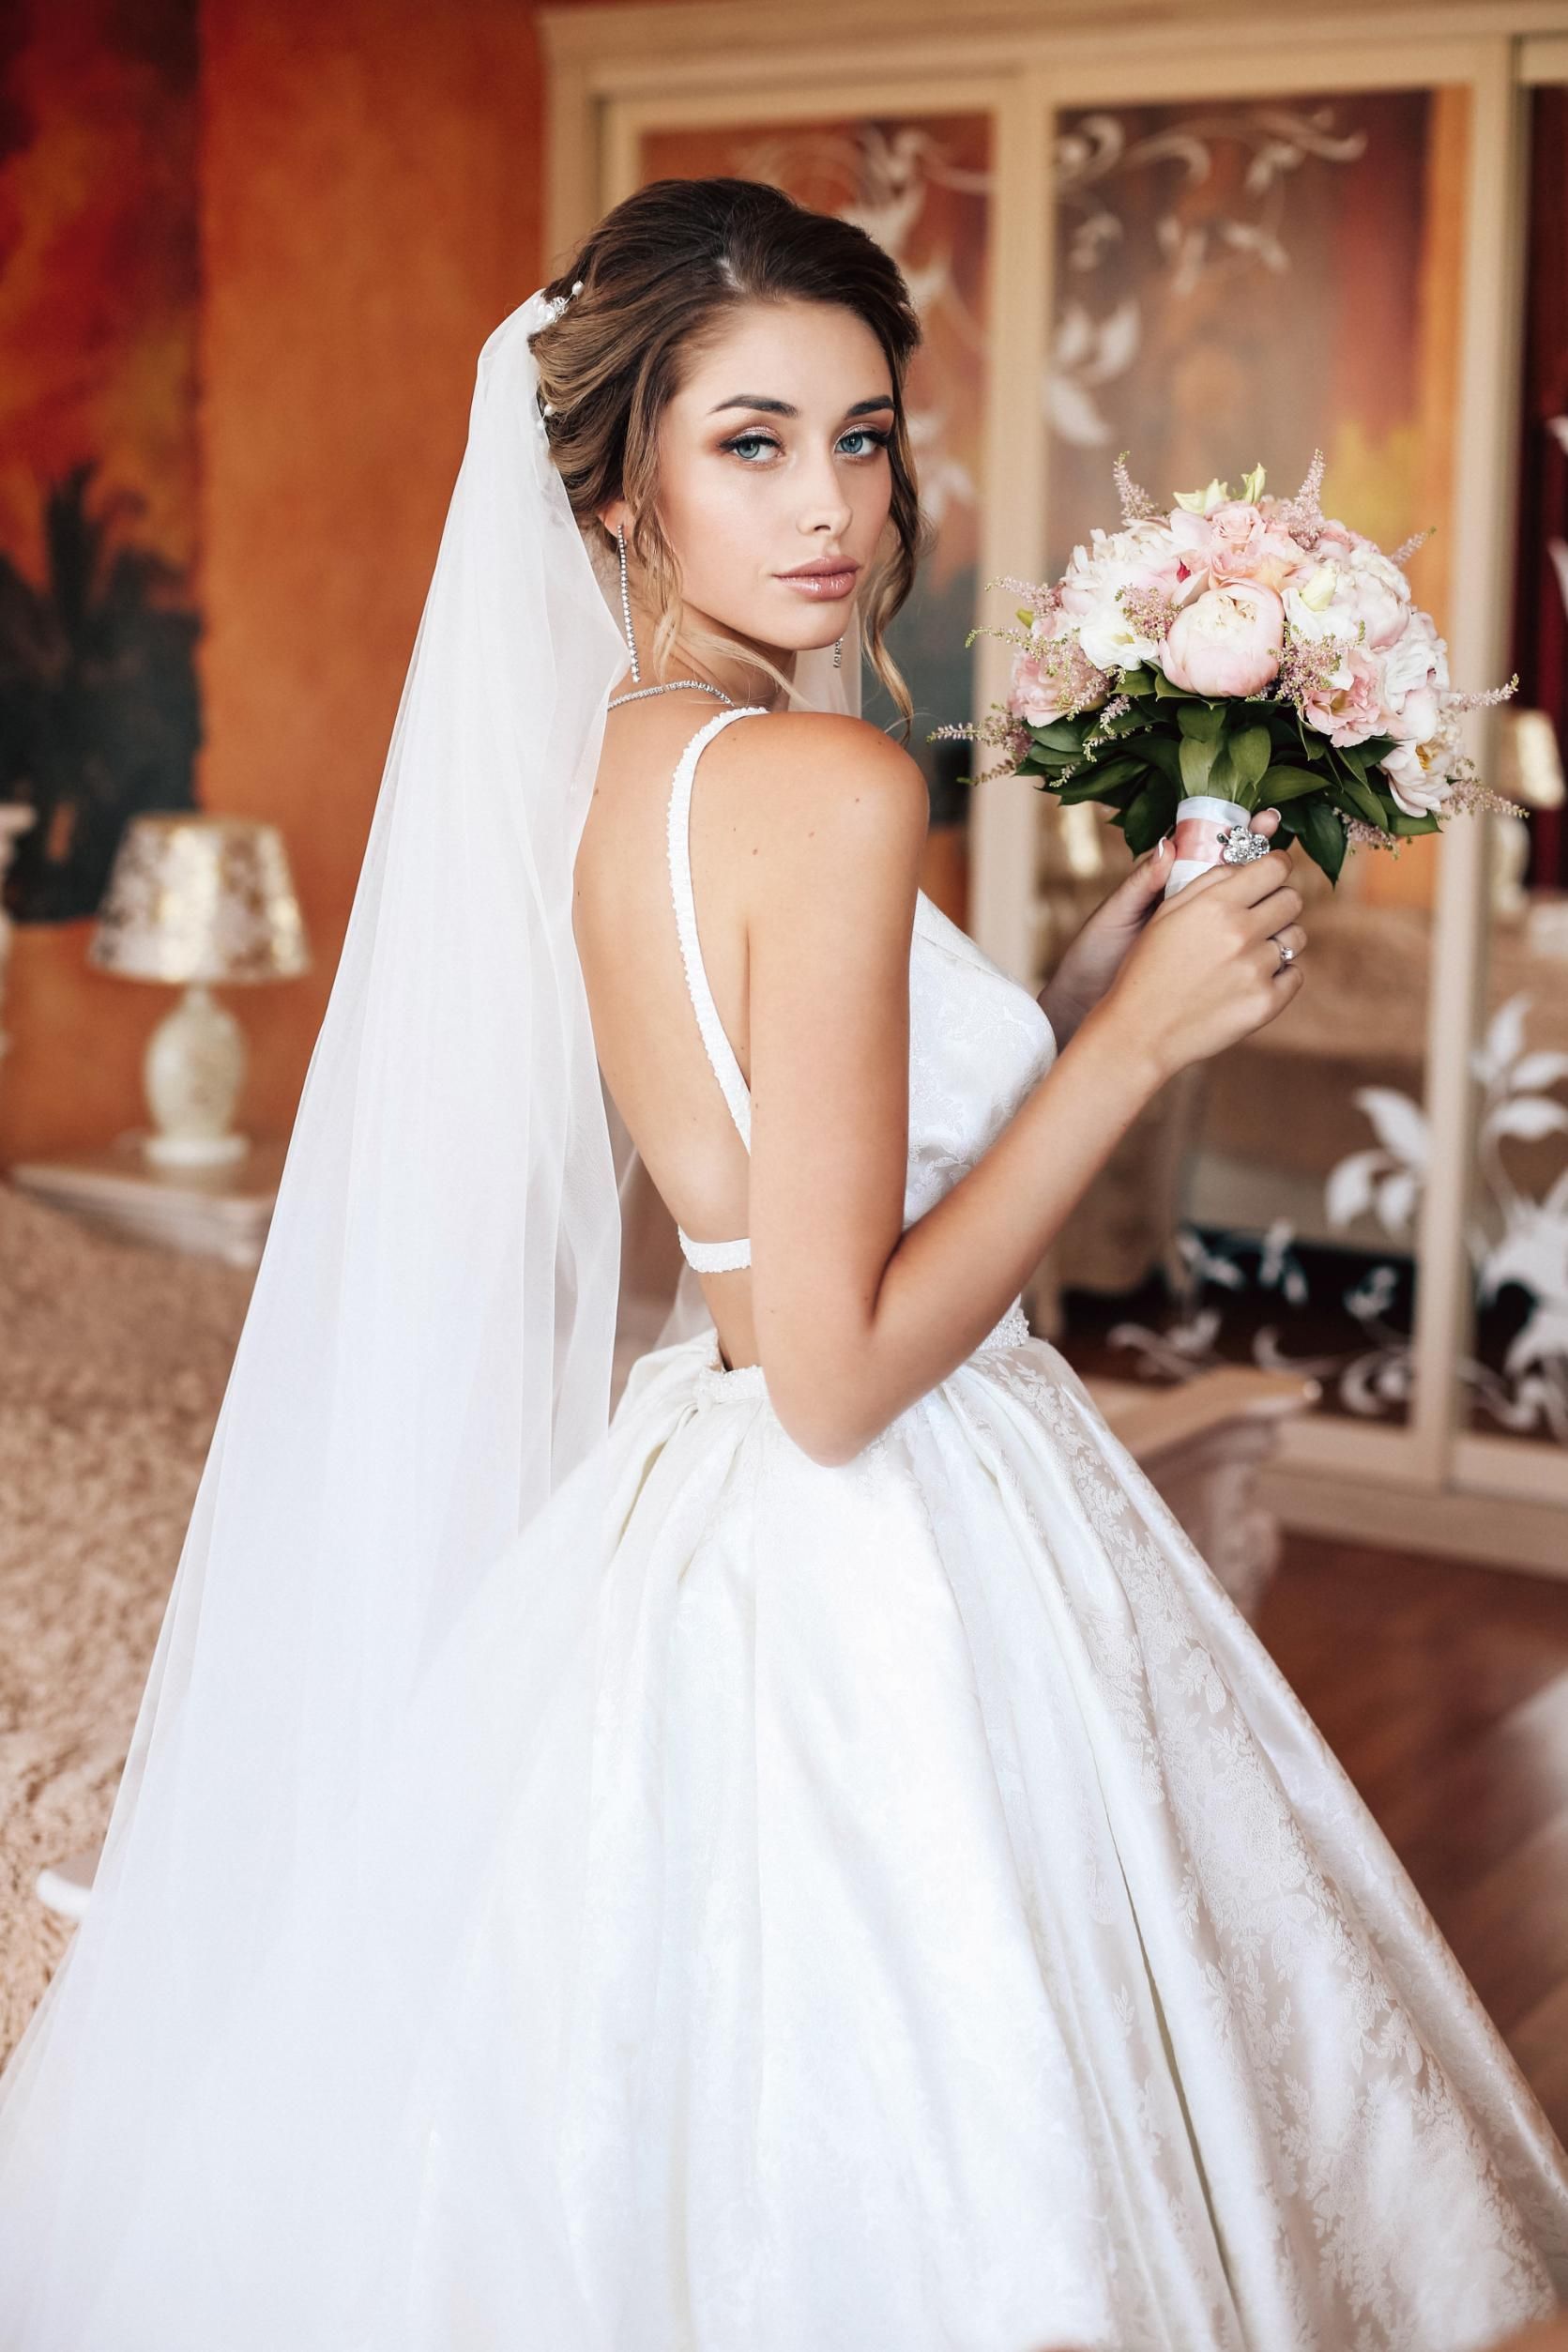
237,2040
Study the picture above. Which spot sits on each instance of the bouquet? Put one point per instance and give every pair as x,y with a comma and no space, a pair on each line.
1231,655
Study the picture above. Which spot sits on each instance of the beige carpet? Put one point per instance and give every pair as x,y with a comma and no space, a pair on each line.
113,1360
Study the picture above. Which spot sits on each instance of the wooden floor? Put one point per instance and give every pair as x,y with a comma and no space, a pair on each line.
1443,1689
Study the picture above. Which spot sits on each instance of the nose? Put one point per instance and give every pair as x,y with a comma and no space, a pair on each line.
825,511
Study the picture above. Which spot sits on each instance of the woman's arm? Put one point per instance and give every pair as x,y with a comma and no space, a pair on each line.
855,1318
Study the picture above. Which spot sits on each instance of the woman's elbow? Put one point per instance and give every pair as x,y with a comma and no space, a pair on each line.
825,1417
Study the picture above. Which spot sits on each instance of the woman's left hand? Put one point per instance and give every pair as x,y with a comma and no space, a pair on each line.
1101,947
1103,944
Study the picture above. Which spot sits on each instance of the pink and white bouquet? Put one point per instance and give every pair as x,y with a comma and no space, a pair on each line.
1231,655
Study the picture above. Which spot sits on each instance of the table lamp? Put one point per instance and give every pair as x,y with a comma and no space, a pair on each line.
197,899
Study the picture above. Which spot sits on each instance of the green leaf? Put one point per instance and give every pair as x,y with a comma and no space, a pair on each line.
1060,735
1250,753
1149,815
1167,693
1138,681
1093,788
1281,784
1120,769
1321,836
1363,801
1198,761
1164,753
1203,721
1406,826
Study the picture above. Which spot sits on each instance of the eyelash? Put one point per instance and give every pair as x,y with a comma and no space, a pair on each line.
878,435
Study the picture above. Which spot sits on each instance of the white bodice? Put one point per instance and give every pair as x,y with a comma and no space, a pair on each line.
978,1039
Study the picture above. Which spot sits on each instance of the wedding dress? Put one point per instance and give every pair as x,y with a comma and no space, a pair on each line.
926,1917
755,1906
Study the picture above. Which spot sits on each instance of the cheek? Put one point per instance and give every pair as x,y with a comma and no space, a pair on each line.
717,519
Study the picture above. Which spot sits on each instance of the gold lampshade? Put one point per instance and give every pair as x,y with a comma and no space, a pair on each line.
200,899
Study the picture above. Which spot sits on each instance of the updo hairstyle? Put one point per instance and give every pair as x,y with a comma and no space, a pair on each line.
661,272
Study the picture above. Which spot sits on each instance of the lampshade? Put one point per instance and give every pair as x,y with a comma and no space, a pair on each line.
200,899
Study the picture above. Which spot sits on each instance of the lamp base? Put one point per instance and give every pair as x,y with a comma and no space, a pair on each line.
194,1068
195,1151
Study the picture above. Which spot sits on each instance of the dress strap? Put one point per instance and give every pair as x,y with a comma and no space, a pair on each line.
721,1053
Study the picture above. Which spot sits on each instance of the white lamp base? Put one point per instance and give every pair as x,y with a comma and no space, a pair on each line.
193,1071
174,1151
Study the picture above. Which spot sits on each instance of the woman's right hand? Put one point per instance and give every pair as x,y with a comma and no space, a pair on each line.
1205,972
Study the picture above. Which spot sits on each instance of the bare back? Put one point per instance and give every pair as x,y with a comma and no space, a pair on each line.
649,1045
765,791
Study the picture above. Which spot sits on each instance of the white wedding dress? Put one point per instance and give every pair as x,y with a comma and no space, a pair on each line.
927,1920
914,1914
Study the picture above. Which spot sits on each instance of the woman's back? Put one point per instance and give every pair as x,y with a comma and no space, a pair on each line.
757,794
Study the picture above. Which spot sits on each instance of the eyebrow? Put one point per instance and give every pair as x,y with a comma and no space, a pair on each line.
783,407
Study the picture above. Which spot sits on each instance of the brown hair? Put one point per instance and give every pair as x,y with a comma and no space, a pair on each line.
660,272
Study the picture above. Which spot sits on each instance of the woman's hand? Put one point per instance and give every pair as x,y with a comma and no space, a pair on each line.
1092,961
1204,971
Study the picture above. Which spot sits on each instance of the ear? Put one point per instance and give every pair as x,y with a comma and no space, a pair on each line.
617,512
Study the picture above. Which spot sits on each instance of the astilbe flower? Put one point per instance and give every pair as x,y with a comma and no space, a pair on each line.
1305,668
1147,610
1302,516
998,731
1136,504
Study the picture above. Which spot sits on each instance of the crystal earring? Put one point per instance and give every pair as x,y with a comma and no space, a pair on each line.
838,654
626,605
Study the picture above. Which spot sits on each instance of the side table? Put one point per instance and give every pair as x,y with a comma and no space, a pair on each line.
217,1211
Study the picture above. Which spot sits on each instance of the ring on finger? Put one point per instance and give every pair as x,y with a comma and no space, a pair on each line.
1287,955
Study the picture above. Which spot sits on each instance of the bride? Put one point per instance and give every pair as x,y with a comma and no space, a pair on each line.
813,1861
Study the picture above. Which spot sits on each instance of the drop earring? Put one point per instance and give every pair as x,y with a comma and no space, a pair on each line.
626,605
838,655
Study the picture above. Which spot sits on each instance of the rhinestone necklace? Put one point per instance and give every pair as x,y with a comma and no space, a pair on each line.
676,686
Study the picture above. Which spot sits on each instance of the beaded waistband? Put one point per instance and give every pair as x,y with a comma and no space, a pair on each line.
712,1380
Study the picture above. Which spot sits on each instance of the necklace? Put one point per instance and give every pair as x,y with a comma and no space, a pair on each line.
676,686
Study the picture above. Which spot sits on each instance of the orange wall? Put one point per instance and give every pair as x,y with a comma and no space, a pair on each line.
370,186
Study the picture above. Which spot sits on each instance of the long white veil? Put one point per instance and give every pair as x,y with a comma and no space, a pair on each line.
246,2024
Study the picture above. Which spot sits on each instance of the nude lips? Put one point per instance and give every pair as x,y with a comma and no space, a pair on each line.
827,586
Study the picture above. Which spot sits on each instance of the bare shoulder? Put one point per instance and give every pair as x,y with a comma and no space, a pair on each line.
819,789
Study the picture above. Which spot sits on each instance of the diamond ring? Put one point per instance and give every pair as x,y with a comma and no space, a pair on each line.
1287,955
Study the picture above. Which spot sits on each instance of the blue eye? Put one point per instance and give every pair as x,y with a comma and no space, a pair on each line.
746,443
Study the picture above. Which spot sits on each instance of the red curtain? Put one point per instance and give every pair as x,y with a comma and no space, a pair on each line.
1540,589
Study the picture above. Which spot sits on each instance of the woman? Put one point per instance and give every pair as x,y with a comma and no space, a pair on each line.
817,1865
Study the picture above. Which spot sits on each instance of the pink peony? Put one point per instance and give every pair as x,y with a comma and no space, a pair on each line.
1348,705
1235,542
1055,679
1227,641
1377,593
1336,540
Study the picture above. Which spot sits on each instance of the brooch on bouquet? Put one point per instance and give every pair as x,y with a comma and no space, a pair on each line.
1233,654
